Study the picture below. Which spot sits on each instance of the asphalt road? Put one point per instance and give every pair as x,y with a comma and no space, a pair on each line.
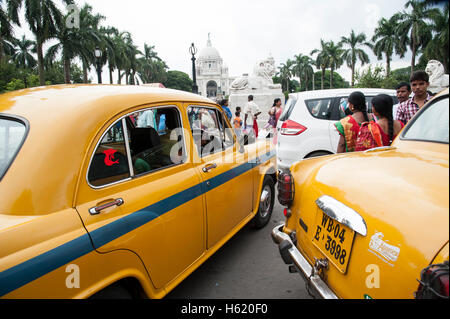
248,266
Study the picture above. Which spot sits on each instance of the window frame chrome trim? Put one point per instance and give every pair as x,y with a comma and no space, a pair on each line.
127,146
342,214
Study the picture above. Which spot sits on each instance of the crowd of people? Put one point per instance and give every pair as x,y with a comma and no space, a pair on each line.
360,131
247,123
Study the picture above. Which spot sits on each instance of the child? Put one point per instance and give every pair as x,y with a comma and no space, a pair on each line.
238,123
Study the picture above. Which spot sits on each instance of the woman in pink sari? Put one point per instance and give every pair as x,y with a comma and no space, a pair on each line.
275,114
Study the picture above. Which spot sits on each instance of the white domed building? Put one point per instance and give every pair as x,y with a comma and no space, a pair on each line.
212,74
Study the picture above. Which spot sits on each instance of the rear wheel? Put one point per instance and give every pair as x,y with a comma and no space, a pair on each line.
266,203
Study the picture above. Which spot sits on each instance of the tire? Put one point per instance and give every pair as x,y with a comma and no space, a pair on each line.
317,154
265,207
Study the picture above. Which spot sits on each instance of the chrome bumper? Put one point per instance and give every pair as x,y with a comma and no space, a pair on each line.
283,240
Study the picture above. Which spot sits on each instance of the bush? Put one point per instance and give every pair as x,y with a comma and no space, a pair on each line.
179,81
369,78
15,84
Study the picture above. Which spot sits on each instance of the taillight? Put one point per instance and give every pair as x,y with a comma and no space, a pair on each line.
285,188
287,212
292,128
434,282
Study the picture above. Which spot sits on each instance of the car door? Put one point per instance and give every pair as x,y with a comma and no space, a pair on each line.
225,171
141,194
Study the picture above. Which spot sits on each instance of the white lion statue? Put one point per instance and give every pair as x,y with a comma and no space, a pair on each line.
438,78
261,77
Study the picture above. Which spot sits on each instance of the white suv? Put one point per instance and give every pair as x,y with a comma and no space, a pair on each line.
306,127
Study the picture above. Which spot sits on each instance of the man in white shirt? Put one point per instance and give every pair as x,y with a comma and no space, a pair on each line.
146,119
251,110
403,93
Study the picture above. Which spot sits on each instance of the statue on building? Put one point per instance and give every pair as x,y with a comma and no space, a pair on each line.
438,78
261,78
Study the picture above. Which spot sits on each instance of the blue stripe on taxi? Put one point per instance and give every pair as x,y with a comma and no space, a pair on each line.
30,270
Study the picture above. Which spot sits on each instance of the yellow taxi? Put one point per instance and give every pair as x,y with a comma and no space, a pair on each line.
373,224
120,189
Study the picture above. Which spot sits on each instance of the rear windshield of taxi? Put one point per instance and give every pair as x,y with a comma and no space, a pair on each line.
432,124
12,135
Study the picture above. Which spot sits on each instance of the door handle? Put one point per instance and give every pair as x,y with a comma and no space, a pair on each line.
209,167
98,209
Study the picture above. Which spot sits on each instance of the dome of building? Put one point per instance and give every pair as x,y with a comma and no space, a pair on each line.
209,52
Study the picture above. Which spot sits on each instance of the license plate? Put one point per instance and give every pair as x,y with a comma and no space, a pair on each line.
333,239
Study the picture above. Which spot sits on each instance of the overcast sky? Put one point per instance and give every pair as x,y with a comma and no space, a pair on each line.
244,31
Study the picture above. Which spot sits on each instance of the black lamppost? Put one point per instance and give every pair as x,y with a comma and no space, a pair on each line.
98,56
193,51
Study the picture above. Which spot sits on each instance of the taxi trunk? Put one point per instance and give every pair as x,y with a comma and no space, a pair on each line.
378,243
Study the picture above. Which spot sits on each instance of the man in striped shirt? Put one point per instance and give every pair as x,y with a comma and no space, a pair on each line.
419,85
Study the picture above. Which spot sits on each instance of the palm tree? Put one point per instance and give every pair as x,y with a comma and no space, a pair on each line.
43,18
131,63
148,64
335,58
285,72
70,42
109,35
322,59
413,28
121,58
386,41
297,67
303,68
22,56
6,28
308,71
92,36
355,52
438,47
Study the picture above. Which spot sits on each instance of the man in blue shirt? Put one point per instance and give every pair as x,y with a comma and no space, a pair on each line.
224,106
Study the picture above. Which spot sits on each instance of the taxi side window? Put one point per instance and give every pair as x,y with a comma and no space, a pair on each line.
226,130
110,163
209,130
155,139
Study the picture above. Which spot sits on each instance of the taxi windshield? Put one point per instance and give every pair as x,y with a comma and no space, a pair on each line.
12,133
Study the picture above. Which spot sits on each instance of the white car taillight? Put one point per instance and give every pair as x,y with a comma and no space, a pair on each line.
292,128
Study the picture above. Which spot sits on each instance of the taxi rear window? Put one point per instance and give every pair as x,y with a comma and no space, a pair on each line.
12,136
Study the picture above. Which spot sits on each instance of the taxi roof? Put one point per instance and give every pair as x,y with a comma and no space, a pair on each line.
70,100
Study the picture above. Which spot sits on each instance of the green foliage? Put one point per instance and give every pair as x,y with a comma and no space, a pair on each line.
55,74
33,80
338,81
8,72
376,78
397,76
179,81
15,84
370,78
